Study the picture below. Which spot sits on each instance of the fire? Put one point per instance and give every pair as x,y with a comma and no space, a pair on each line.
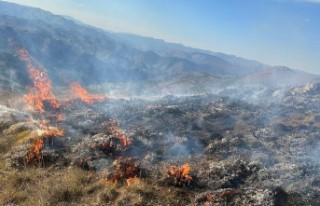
42,86
35,97
221,196
125,169
51,132
46,131
115,130
34,153
82,94
132,180
180,174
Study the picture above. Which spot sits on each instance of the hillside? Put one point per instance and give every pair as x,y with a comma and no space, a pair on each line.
87,54
93,117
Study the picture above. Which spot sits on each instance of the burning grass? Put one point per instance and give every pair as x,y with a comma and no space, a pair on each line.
57,185
180,175
125,169
115,130
34,154
81,93
41,91
74,186
42,86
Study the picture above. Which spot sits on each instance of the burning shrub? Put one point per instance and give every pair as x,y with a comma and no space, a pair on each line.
51,132
125,169
132,180
115,130
34,153
180,175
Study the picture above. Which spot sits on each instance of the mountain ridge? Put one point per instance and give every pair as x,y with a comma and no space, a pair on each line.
73,51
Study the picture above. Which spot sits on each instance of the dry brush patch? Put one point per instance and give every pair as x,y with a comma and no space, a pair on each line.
40,186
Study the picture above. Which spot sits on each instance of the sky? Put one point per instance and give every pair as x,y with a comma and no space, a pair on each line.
275,32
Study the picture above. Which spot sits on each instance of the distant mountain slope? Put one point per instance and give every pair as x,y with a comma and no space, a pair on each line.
240,65
277,77
73,51
64,45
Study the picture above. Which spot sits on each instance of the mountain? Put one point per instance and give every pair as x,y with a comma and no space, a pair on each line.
73,51
277,76
65,46
240,65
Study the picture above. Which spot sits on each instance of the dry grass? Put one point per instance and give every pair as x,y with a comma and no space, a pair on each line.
49,186
74,186
143,193
39,186
6,143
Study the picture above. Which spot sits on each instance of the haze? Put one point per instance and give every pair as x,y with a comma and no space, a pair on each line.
276,32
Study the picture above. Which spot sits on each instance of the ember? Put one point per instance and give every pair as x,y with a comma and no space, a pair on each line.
42,86
223,195
82,94
180,174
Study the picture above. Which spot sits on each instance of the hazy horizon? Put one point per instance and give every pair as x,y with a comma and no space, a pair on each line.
275,32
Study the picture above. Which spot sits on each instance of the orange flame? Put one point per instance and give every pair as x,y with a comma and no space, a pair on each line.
180,174
82,94
49,131
42,86
114,129
132,180
35,151
125,169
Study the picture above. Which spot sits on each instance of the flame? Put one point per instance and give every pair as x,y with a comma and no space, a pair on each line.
82,94
42,86
115,130
46,131
132,180
180,174
35,151
40,92
50,132
125,169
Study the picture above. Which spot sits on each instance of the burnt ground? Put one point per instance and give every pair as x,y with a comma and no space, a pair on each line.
240,153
